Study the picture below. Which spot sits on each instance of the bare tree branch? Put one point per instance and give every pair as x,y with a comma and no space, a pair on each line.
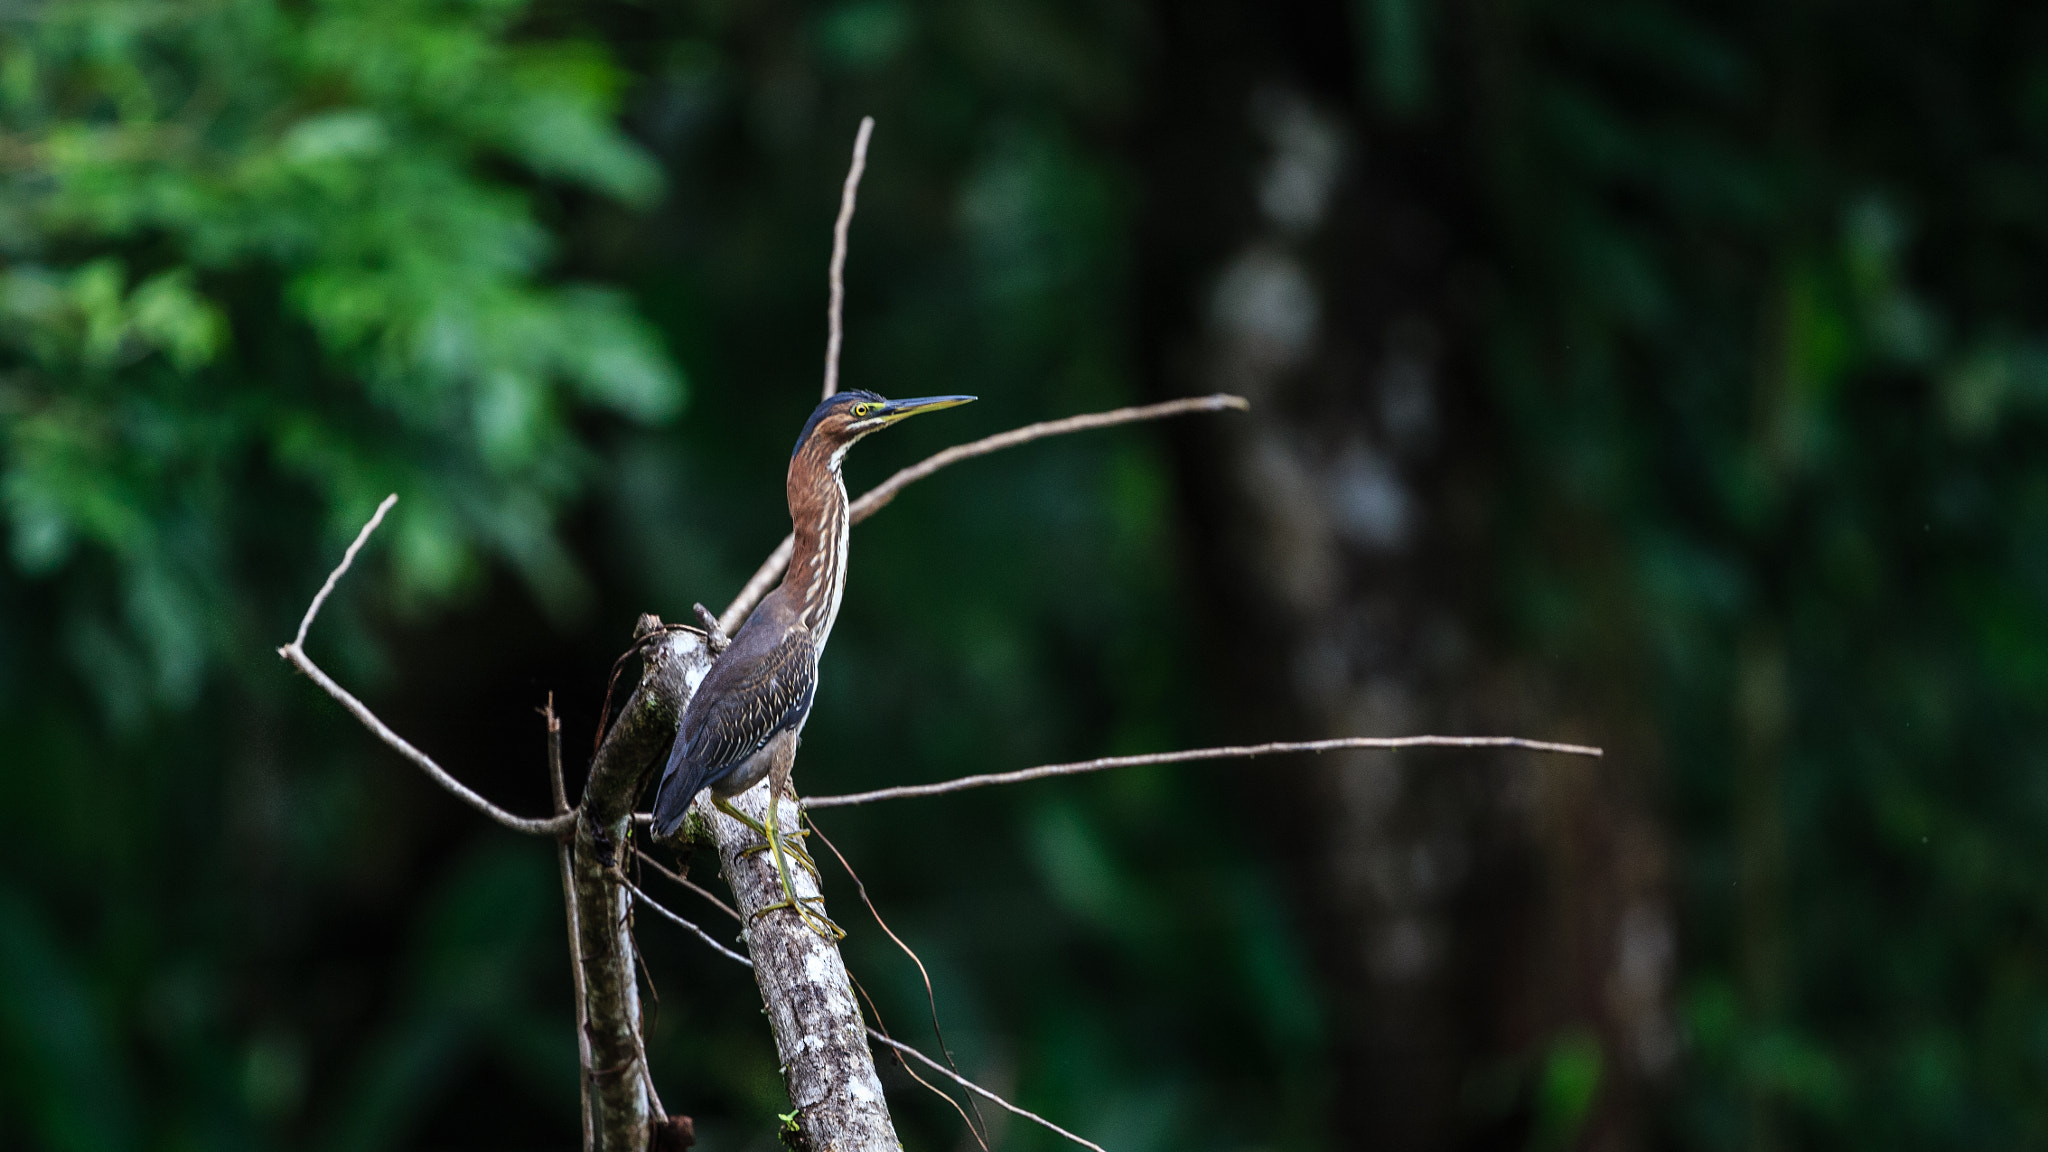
835,329
758,585
650,902
971,1086
819,1033
876,498
295,654
1244,750
673,663
681,879
978,1131
713,634
561,797
334,577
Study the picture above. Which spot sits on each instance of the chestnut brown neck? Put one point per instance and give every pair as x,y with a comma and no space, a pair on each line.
816,577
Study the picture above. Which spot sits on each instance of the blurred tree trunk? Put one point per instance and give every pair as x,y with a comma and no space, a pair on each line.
1491,933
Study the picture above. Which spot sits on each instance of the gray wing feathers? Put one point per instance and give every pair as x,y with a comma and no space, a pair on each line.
761,685
757,698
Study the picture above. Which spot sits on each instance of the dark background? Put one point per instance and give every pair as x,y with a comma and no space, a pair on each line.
1660,374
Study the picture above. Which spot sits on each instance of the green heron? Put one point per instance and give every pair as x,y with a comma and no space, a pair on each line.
744,721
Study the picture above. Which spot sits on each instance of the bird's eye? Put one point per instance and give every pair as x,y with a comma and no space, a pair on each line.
860,410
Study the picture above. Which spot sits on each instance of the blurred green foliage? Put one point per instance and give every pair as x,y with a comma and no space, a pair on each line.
256,243
264,263
1765,335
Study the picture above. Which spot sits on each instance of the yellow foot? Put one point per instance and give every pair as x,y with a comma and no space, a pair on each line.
815,920
777,845
793,851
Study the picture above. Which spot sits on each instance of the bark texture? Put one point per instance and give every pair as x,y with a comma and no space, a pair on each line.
672,667
819,1032
1476,916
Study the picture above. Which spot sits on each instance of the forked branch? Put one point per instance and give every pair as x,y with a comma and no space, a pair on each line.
578,981
672,663
295,653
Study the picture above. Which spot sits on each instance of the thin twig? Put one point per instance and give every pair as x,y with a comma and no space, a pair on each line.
835,327
758,585
931,996
971,1086
334,577
295,653
927,1085
873,500
640,957
686,882
558,788
640,1025
1244,750
906,1049
876,498
553,826
701,934
561,797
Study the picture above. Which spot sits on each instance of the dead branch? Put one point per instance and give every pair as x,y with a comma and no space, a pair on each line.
673,663
334,577
713,634
978,1131
758,585
835,310
621,1091
826,1063
295,654
1245,750
561,797
878,497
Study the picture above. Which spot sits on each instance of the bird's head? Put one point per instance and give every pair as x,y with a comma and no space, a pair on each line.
847,416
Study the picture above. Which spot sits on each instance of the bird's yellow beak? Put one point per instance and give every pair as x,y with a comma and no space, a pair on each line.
894,410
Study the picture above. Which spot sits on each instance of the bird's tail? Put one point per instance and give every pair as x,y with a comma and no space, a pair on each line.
680,783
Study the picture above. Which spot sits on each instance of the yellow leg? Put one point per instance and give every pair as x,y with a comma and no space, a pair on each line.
816,921
767,840
777,845
724,805
801,855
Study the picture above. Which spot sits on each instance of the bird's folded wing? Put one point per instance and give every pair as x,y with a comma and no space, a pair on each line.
754,699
